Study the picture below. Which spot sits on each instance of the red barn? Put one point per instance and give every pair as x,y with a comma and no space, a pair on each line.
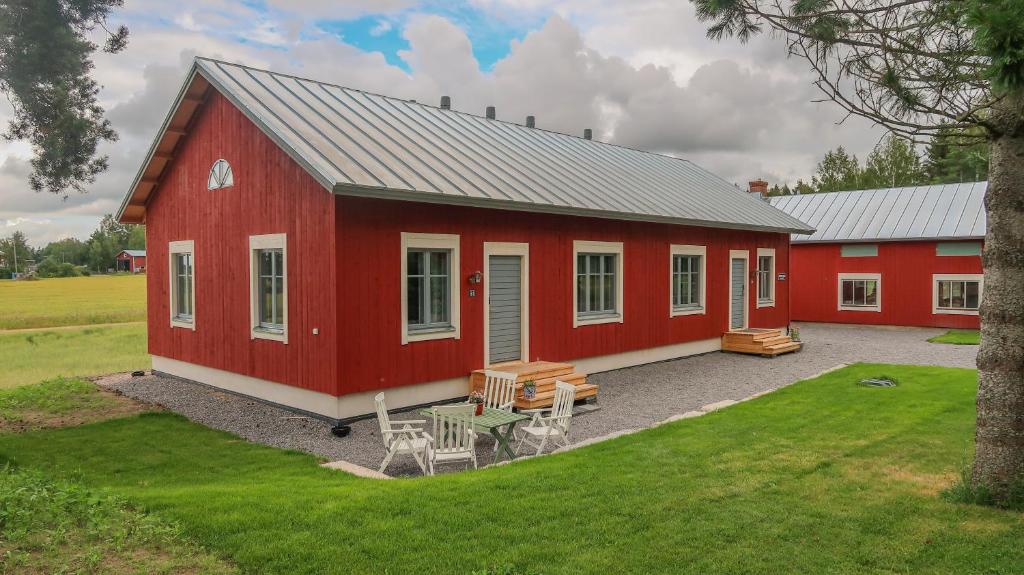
131,261
898,256
319,244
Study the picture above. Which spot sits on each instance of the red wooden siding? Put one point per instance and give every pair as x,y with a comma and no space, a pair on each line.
272,194
906,269
134,261
369,231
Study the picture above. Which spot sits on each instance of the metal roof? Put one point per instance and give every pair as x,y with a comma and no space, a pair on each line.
946,211
362,144
135,253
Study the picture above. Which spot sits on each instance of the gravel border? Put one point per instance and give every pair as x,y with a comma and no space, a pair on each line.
630,399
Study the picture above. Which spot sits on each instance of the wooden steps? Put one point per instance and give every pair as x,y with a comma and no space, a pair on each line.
764,342
544,374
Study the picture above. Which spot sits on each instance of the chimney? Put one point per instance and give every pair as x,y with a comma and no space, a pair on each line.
490,112
531,122
446,102
588,134
759,186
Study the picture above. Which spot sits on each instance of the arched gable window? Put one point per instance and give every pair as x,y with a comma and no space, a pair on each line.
220,176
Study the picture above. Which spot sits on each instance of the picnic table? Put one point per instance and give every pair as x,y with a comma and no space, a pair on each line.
493,421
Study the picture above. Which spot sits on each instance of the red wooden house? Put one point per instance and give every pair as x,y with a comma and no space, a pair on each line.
898,256
133,261
318,244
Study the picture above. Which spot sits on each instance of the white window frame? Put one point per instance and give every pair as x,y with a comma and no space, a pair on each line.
688,250
448,242
859,276
586,246
770,301
267,242
936,278
174,248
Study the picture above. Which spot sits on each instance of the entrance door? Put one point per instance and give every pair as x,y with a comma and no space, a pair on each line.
737,294
505,308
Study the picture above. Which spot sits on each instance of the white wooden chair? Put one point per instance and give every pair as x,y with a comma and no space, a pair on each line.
500,393
499,390
453,439
401,437
554,427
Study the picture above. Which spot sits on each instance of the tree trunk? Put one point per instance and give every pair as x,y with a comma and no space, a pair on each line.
999,437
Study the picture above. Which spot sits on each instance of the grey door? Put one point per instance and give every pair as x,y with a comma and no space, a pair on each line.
737,297
505,309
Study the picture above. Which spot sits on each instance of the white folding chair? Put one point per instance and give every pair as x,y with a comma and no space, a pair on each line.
453,439
555,426
500,393
401,437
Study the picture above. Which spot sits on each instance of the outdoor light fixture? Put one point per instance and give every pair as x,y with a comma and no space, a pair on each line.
476,277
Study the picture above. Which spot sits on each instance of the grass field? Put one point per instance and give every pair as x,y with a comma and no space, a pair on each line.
72,301
825,476
34,355
959,337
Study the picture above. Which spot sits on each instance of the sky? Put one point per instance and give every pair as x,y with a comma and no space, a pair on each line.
640,73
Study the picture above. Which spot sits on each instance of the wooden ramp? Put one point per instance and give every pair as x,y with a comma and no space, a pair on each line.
544,374
764,342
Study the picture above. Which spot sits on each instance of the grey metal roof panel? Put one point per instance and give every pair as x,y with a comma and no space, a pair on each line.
364,144
946,211
135,253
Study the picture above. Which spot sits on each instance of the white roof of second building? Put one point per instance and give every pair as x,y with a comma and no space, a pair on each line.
357,143
945,211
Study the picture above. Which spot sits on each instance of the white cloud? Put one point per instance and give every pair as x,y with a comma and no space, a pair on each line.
639,73
382,27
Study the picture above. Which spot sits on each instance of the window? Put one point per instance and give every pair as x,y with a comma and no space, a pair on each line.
686,279
221,176
182,284
597,289
860,292
268,260
859,250
430,286
765,277
428,283
957,294
958,249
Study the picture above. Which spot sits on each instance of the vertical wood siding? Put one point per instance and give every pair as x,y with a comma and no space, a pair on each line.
370,352
272,194
906,269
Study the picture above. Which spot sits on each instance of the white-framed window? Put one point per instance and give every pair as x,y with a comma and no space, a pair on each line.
597,282
765,277
182,291
430,287
221,176
860,292
268,292
687,279
957,294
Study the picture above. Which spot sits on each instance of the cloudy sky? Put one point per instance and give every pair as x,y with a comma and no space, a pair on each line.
639,72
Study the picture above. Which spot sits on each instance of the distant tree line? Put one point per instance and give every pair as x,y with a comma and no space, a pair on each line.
71,256
952,156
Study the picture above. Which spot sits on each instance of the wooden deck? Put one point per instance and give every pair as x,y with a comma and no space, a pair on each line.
544,374
763,342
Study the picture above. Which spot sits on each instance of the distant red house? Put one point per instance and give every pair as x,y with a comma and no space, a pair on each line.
131,261
899,256
317,245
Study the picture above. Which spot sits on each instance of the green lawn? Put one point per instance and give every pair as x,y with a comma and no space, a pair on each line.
34,355
825,476
72,301
958,337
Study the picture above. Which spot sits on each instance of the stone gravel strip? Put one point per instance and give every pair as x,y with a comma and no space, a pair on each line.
630,399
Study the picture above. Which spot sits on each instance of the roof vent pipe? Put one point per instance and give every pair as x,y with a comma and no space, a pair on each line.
446,102
490,112
588,134
531,122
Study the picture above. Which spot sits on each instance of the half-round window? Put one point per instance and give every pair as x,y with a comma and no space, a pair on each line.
220,176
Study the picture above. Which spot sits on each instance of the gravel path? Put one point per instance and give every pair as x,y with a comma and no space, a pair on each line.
630,398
